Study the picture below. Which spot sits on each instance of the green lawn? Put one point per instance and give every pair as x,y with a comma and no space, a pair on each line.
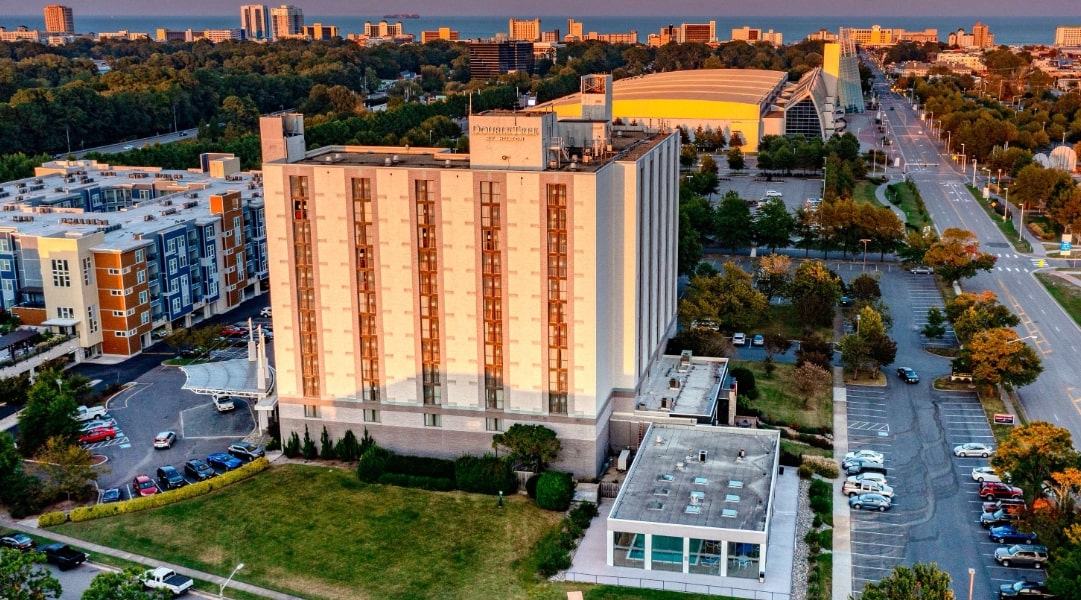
865,193
1005,226
1065,293
783,407
782,319
910,204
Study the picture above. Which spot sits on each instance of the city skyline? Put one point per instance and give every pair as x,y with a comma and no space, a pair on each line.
520,8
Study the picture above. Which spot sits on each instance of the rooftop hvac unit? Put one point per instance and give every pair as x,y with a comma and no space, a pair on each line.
621,462
446,164
659,440
673,383
387,161
701,456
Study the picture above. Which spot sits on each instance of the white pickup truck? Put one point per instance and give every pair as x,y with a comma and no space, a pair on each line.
853,487
164,578
88,413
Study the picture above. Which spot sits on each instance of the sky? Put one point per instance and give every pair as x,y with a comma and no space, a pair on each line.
529,8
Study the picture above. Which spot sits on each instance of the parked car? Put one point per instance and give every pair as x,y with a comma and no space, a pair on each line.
865,461
1010,504
867,455
96,423
758,340
983,474
246,451
923,270
868,476
846,301
1008,534
170,479
165,440
89,413
224,461
998,518
164,578
908,375
17,541
1024,589
870,502
855,488
110,495
858,466
973,449
739,339
63,556
993,490
223,403
98,434
198,470
233,331
192,352
144,485
1022,555
266,312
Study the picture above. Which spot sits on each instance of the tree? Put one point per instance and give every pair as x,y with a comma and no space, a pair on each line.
68,467
533,445
22,579
11,464
708,165
814,292
689,253
810,381
1064,574
773,225
774,271
733,221
728,299
1033,452
815,350
49,412
736,161
122,585
865,287
957,255
702,342
774,344
924,581
996,356
935,328
969,313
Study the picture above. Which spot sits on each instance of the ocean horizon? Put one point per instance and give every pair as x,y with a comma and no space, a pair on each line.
1007,30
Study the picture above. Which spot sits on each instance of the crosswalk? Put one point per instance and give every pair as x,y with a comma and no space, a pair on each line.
1032,263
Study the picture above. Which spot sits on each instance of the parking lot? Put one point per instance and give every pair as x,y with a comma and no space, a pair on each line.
794,190
923,294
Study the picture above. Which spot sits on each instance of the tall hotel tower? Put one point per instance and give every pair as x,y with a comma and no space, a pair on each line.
255,21
59,19
437,298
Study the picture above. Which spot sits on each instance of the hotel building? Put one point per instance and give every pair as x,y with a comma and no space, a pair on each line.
751,36
443,33
436,298
255,21
286,21
59,19
525,31
488,60
1068,36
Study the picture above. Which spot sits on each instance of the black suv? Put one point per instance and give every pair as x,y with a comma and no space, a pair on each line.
198,470
170,478
246,451
1024,589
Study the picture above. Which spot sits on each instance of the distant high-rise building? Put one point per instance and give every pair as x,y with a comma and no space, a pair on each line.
319,31
574,31
1068,36
383,29
704,33
525,31
980,38
751,36
286,21
443,33
255,21
488,60
59,19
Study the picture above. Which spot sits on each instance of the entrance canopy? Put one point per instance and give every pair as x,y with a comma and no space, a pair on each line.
238,377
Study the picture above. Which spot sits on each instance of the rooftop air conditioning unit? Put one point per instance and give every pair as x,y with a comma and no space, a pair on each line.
387,161
701,456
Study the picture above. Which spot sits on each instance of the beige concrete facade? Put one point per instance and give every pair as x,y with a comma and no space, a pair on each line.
620,270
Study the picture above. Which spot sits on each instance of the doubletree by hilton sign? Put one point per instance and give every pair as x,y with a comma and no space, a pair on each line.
504,133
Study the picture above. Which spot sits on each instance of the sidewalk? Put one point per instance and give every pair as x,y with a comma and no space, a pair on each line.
149,562
842,526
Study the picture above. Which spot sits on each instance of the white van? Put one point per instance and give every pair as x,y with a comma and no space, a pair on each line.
773,194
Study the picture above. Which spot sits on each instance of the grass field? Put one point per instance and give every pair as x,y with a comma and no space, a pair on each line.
1065,293
317,532
782,319
783,407
909,204
865,193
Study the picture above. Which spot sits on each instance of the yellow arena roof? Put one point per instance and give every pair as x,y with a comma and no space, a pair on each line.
738,86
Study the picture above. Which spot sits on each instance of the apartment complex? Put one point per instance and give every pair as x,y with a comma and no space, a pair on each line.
704,33
438,298
109,253
59,19
525,30
1068,36
255,21
443,33
751,36
490,59
286,21
383,29
980,38
188,35
576,33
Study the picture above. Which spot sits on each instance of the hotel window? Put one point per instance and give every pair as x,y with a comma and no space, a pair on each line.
171,245
65,312
92,319
140,256
493,424
428,279
120,333
143,297
140,275
144,318
371,416
118,313
491,232
176,305
433,420
558,284
61,274
88,271
367,312
5,265
113,271
5,245
311,411
305,286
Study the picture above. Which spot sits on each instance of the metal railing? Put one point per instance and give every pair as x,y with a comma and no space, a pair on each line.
675,586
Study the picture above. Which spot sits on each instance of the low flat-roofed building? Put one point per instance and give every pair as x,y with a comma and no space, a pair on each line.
697,499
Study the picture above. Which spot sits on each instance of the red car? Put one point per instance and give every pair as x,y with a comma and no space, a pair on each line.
98,434
234,331
144,485
993,490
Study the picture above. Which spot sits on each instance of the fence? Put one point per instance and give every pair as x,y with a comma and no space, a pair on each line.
676,586
33,359
609,489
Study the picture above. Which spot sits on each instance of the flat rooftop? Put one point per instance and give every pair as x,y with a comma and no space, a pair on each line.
747,86
670,483
36,207
684,385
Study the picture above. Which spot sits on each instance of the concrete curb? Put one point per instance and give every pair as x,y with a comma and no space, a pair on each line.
842,524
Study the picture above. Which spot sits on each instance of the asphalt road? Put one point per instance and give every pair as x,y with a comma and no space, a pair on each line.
165,138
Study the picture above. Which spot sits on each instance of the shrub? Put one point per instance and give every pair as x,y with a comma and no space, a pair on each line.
421,466
97,511
435,484
273,445
51,519
367,441
292,447
531,485
25,495
805,472
326,447
582,515
555,490
821,465
372,464
308,449
790,459
348,448
745,379
485,475
551,556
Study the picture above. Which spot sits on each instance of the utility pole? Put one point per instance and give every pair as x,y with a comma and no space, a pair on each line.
864,241
974,172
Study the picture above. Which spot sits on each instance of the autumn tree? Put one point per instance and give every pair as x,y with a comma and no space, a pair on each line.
23,576
774,344
865,287
1065,490
957,255
915,246
997,356
728,299
969,313
814,292
1032,452
924,581
122,585
68,467
811,380
774,272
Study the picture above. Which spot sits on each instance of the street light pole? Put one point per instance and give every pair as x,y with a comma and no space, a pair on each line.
221,590
964,162
864,241
974,172
971,576
60,385
1021,227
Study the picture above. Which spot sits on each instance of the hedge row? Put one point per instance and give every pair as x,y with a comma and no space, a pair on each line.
434,484
98,511
486,474
552,552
